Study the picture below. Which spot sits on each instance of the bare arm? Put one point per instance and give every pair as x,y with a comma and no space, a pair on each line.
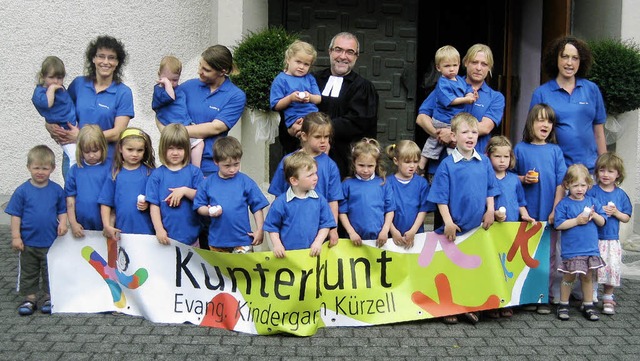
450,228
76,228
485,126
353,235
258,234
206,130
16,237
156,219
426,123
598,131
120,123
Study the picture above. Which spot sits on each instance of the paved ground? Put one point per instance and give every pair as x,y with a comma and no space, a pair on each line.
526,336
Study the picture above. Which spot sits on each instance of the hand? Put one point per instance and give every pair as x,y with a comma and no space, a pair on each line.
530,220
162,236
142,206
409,237
552,216
111,233
333,237
62,229
531,178
471,97
258,237
450,231
488,218
54,87
77,230
397,238
316,247
279,251
383,237
500,217
296,128
295,97
355,238
610,210
164,82
173,199
217,213
17,244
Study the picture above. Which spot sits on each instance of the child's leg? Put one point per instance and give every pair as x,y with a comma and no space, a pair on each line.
196,152
588,310
422,165
565,287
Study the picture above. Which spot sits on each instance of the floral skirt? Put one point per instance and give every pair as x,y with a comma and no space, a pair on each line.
611,253
581,264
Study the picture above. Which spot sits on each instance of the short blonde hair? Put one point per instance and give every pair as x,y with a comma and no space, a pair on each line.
577,172
175,135
91,137
404,151
447,52
41,154
463,118
170,63
473,52
611,160
297,47
501,141
297,162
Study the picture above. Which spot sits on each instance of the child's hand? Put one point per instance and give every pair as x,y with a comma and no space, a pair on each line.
409,236
142,206
257,236
162,236
54,87
529,219
299,97
278,251
174,198
333,237
552,216
111,233
450,231
215,211
355,238
296,128
397,238
316,247
471,98
17,244
583,218
488,218
77,230
62,228
383,237
500,217
610,210
164,82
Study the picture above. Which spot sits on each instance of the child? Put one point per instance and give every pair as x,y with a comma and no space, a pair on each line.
367,210
299,218
541,167
38,215
409,192
617,206
172,187
232,192
315,136
52,100
510,205
295,90
85,179
452,93
170,104
578,217
464,188
122,194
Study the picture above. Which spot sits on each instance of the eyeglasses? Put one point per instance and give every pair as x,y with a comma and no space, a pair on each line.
338,50
110,58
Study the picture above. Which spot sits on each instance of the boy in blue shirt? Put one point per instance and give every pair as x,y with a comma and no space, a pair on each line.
299,218
38,212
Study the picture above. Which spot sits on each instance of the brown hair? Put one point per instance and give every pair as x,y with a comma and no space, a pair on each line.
227,148
51,65
174,135
368,146
538,111
501,141
148,159
553,51
611,160
91,137
219,58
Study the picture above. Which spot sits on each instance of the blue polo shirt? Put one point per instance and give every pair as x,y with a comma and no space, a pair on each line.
446,91
225,104
62,111
576,115
285,84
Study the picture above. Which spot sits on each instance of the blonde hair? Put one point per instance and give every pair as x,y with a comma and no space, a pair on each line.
170,63
51,65
611,160
41,154
174,135
473,52
463,118
227,148
447,52
297,162
91,137
297,47
368,146
577,172
404,151
501,141
128,134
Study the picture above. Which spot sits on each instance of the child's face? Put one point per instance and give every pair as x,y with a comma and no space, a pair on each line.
542,128
448,68
578,189
40,173
466,138
365,166
299,64
607,176
228,168
317,142
173,77
51,79
306,179
174,156
406,168
132,152
91,156
501,158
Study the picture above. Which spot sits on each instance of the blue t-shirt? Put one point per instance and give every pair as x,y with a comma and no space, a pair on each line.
511,196
62,111
576,114
365,203
236,196
38,209
548,161
580,240
182,223
169,110
121,194
299,220
85,183
446,91
464,186
285,84
611,229
328,185
411,199
225,104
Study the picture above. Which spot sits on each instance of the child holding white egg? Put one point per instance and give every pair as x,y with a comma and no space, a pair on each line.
578,216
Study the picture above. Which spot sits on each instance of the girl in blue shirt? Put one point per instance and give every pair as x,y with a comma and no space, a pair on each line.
409,191
367,210
172,187
123,192
85,179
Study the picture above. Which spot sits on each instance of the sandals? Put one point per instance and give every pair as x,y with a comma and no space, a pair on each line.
27,308
46,307
450,320
472,317
589,312
493,314
506,312
563,312
609,307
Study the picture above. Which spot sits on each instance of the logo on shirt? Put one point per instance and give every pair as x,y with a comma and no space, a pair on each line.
103,106
214,108
583,103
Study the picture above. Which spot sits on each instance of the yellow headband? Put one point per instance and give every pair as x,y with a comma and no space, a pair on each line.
131,131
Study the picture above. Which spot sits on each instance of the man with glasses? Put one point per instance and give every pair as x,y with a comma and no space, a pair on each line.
349,99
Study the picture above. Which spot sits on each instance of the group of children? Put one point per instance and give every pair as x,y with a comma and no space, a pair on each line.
130,195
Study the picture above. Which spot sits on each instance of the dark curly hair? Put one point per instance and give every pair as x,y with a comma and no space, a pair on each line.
550,57
105,42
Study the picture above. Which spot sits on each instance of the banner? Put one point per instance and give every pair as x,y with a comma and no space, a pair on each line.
346,285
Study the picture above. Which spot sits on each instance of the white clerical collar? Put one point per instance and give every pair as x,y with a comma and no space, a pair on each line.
370,178
333,86
457,156
309,194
